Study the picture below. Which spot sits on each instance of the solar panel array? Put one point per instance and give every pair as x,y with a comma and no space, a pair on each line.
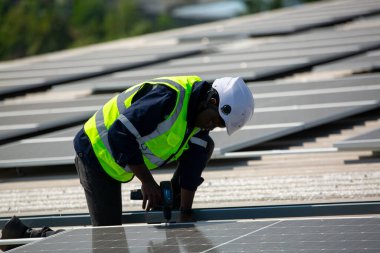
354,235
282,107
255,62
48,71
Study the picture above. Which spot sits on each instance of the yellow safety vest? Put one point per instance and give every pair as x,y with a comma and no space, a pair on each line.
166,143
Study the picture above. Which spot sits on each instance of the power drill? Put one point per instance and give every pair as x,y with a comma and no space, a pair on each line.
167,198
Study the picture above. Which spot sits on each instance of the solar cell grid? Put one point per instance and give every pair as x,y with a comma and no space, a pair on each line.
295,235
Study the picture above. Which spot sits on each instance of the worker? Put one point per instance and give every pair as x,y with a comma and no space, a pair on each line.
145,127
149,125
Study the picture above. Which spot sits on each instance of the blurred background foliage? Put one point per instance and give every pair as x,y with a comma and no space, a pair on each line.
30,27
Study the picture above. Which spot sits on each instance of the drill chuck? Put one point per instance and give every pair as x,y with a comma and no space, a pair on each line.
167,198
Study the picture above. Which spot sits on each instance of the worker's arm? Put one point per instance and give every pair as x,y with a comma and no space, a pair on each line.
189,172
150,189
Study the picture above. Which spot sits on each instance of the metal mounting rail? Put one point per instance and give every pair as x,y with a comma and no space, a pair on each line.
228,213
19,241
257,154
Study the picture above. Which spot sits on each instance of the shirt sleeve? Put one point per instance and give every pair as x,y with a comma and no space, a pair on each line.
193,161
145,114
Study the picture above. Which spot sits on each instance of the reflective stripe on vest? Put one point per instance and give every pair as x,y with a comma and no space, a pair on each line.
144,150
99,119
199,142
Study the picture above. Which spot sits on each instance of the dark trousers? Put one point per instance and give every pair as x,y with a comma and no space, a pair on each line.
103,193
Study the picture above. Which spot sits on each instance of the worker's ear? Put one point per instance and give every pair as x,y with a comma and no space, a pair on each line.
205,104
213,101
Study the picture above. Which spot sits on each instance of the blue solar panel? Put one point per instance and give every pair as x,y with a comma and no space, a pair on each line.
292,235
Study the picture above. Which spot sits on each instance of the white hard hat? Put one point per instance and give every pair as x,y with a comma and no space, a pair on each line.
236,103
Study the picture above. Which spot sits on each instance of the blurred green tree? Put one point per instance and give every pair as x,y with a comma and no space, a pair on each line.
123,18
31,27
85,21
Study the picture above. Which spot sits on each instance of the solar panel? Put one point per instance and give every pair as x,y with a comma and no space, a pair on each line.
46,72
54,149
288,235
370,61
22,119
254,133
366,141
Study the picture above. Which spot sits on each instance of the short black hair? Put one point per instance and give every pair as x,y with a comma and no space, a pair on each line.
212,93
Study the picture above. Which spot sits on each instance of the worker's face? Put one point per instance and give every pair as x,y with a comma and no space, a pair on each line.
209,118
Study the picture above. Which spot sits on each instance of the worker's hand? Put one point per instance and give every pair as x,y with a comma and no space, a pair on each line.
151,195
150,190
